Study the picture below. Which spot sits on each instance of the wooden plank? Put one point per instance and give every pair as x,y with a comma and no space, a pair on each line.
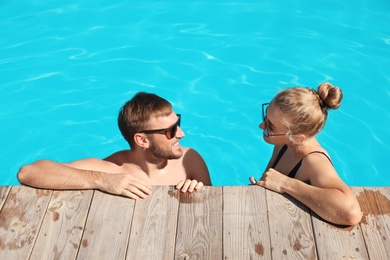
63,225
290,228
107,229
245,223
153,229
375,224
20,220
4,190
199,230
338,242
28,226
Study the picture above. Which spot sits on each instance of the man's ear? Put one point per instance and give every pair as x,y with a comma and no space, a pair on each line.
141,140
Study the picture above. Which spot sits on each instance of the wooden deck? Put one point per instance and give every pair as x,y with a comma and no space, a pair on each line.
244,222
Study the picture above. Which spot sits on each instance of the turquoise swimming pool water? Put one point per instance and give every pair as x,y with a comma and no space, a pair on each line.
67,66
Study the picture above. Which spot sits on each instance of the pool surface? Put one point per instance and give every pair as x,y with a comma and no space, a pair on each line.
66,67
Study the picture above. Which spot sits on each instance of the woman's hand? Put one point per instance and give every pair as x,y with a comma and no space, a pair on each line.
272,180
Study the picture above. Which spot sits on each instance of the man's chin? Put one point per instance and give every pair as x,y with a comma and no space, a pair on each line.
171,156
177,155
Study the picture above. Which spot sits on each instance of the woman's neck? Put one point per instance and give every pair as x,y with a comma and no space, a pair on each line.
305,147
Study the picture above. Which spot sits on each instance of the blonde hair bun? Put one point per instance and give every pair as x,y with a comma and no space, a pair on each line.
330,95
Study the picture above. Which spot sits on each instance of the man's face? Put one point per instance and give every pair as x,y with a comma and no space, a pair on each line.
160,145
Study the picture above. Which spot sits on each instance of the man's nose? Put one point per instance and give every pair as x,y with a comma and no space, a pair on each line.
180,133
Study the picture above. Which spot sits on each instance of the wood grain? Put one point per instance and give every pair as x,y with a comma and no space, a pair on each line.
290,228
107,228
199,234
375,225
245,223
20,221
63,225
242,222
4,190
153,229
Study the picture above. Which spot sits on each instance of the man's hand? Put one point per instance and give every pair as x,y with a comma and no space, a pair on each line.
125,184
189,186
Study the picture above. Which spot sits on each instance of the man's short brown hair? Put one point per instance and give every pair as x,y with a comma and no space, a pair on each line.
135,113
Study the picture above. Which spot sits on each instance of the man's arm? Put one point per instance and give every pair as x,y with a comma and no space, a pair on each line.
196,167
82,174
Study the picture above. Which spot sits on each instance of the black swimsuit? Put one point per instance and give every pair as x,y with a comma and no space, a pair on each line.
296,168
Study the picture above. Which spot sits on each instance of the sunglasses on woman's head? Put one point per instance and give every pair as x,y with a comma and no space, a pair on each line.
169,132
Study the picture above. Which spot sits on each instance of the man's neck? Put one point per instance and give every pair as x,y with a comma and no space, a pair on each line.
150,164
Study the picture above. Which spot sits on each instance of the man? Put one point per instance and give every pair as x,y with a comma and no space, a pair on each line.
152,129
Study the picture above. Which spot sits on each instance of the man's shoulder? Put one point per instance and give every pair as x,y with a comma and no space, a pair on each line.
190,154
186,149
89,164
118,157
189,151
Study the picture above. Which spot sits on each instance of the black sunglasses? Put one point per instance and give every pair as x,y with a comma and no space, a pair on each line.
169,132
266,131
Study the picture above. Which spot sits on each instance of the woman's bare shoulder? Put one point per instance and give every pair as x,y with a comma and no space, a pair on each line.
320,171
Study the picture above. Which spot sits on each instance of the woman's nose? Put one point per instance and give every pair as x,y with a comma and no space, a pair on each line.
262,125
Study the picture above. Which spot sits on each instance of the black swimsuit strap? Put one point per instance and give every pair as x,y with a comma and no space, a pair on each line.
296,168
293,172
280,154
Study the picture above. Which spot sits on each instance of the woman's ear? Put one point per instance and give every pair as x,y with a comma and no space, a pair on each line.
298,139
301,138
141,140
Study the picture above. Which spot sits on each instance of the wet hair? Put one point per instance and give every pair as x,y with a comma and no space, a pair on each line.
307,109
135,114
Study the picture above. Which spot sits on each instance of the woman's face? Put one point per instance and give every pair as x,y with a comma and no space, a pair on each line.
274,131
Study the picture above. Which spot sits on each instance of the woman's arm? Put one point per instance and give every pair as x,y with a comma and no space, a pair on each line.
335,204
327,195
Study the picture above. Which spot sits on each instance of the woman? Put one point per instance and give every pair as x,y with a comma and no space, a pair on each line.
299,166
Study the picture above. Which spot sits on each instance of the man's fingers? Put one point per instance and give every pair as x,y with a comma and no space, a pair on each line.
198,186
179,185
130,195
134,192
145,189
187,184
192,186
140,185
